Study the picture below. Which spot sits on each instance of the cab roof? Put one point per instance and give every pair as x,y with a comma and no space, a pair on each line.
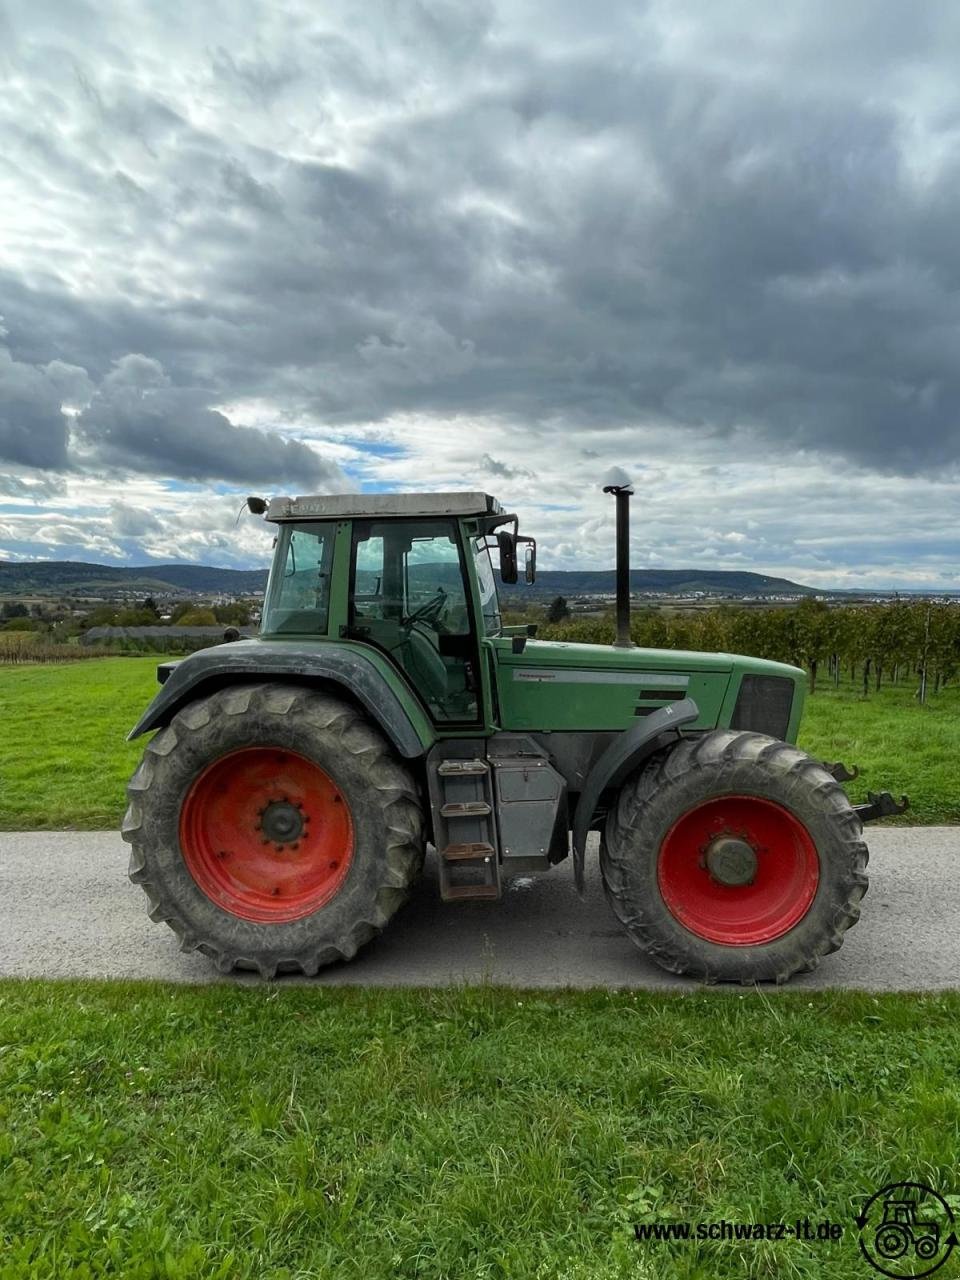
340,506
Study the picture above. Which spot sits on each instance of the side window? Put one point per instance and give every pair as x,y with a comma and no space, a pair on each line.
368,598
298,593
409,598
434,591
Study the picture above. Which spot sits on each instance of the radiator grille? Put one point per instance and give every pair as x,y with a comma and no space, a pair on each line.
764,705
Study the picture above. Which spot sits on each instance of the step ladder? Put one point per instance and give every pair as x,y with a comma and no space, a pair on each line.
465,827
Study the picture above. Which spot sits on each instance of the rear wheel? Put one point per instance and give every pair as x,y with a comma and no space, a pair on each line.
272,828
734,857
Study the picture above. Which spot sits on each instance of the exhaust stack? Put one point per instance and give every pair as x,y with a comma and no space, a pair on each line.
622,491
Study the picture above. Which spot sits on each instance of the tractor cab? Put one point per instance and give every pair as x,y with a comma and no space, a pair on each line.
409,575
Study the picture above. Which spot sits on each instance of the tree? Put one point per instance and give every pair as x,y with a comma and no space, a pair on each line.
135,618
198,618
558,610
23,624
810,635
14,609
237,615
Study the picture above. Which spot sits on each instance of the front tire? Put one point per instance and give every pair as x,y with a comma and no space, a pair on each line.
273,829
735,858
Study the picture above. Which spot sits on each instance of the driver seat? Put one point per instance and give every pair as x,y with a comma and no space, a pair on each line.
419,658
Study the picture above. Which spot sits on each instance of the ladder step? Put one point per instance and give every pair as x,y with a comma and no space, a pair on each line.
475,852
465,809
455,891
462,768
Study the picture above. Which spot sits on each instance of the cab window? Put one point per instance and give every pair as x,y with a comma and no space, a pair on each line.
298,592
408,597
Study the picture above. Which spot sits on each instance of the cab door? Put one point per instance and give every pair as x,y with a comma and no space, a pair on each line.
408,596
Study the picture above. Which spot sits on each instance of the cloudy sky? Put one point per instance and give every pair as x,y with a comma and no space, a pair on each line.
302,247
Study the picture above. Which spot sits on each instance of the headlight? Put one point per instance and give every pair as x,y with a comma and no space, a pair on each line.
764,705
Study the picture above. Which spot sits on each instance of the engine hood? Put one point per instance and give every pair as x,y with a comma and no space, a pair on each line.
558,685
602,657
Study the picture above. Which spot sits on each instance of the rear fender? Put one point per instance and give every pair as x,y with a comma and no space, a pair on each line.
347,667
625,754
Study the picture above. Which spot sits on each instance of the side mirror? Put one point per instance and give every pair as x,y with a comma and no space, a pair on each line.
530,562
508,556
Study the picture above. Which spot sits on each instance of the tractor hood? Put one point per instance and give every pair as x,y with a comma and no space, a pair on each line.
556,685
562,654
603,657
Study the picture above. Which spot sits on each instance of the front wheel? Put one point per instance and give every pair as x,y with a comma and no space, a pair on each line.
734,857
272,828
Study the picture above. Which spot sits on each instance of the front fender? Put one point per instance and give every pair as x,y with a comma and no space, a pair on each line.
623,755
366,677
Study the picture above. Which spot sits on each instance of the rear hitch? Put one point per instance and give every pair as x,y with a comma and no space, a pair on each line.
880,805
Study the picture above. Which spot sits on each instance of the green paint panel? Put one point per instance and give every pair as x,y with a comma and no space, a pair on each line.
554,685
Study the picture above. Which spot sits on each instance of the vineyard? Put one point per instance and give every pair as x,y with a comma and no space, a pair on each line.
19,648
869,644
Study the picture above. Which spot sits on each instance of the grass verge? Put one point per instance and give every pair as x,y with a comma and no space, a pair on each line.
288,1132
64,761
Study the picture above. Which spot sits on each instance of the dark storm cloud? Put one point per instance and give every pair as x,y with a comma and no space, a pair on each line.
735,222
33,429
137,420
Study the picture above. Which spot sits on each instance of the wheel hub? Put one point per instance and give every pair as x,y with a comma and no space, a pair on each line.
731,861
282,822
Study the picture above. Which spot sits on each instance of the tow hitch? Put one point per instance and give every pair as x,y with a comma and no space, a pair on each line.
880,805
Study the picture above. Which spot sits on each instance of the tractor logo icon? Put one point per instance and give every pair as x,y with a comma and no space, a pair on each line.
906,1230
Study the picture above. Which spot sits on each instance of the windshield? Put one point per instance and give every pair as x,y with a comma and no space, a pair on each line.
298,593
487,585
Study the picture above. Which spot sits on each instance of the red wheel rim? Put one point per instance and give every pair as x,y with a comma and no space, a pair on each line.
266,834
738,838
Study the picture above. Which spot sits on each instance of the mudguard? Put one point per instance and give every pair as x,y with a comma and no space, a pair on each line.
623,755
338,664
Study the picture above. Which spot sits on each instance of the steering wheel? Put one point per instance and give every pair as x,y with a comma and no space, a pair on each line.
430,611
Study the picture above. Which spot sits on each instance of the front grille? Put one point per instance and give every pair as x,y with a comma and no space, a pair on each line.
764,705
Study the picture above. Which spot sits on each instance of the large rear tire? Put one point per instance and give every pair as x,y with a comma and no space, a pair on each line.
273,829
735,858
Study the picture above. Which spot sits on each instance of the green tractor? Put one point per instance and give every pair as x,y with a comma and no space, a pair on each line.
282,808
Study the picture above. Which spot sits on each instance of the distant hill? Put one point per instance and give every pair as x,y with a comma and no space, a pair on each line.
73,577
734,582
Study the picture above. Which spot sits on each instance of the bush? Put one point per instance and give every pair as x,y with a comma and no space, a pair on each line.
198,618
23,624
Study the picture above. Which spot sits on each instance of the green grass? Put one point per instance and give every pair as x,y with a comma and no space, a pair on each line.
63,758
151,1131
899,745
64,761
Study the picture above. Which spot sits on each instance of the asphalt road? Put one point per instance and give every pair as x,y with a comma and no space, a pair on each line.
68,910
